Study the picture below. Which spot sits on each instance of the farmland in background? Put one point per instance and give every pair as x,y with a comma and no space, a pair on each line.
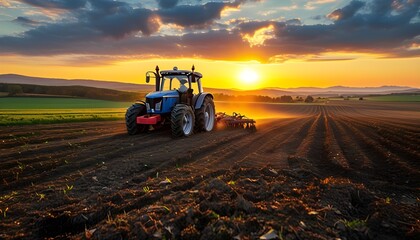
26,110
395,98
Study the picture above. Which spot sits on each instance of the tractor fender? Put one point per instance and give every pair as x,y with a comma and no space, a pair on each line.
200,100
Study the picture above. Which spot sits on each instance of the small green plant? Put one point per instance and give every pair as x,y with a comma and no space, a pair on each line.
67,189
21,166
168,180
146,189
281,233
4,212
167,209
109,219
214,215
387,200
356,224
41,196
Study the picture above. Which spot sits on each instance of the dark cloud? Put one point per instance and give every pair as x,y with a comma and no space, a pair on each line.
193,15
375,30
26,22
251,26
57,4
318,17
294,21
118,19
347,11
167,3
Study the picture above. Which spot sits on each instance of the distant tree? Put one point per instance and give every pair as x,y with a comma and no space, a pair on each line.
286,99
14,90
309,99
299,99
39,90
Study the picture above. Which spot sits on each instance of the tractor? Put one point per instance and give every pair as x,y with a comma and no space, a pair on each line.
174,102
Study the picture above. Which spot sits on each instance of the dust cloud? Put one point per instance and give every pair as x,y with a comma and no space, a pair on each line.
258,110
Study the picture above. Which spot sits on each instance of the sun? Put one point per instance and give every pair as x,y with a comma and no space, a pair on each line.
248,77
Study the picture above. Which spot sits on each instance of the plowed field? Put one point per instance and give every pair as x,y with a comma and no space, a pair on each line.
348,170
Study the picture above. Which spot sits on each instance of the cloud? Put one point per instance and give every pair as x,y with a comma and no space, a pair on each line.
118,19
312,4
57,4
26,21
347,11
194,15
5,3
116,28
167,3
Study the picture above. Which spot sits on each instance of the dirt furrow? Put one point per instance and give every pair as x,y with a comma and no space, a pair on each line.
384,163
333,148
351,149
404,153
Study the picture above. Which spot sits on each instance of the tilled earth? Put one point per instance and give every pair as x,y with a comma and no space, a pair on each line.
348,170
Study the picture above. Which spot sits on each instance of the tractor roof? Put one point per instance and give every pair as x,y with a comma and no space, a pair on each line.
180,72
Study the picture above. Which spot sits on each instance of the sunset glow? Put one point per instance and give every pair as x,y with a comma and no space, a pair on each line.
234,44
248,78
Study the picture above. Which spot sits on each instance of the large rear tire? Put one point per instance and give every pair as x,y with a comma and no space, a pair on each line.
205,117
182,121
137,109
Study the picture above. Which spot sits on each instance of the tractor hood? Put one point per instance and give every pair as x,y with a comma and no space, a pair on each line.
160,94
161,102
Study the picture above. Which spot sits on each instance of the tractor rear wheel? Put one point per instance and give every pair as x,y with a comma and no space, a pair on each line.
205,116
137,109
182,121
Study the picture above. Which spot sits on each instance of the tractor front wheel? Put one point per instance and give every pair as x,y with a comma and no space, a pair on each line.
137,109
205,116
182,121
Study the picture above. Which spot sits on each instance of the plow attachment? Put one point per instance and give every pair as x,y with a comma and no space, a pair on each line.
236,120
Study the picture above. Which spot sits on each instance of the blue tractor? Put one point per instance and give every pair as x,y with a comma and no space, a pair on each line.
174,102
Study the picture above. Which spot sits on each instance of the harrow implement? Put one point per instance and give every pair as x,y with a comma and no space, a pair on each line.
236,120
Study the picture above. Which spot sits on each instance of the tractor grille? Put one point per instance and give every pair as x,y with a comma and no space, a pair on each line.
152,102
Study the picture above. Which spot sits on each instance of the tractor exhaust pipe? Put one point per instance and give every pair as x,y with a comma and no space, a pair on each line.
157,78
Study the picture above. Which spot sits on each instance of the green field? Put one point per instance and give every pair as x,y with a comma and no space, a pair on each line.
25,110
57,103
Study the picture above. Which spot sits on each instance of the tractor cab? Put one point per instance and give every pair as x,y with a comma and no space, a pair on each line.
172,87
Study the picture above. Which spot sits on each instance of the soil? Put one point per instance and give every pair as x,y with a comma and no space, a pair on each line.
343,170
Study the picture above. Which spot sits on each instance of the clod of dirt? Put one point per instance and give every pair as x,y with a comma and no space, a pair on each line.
218,185
245,205
340,226
219,230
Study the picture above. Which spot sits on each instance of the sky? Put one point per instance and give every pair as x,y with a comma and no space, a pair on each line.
242,44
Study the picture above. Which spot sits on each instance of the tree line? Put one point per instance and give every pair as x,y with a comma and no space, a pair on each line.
71,91
260,98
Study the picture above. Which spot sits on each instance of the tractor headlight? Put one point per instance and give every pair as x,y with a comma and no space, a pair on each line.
148,106
158,106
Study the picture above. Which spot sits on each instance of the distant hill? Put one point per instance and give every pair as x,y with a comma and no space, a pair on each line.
271,92
341,90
